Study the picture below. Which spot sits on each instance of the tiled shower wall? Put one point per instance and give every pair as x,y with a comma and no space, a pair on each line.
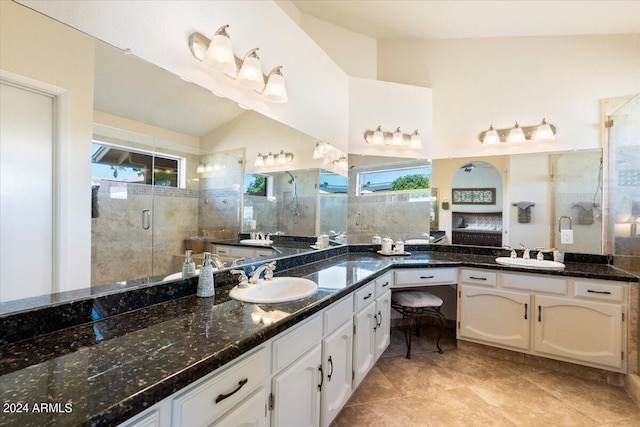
121,248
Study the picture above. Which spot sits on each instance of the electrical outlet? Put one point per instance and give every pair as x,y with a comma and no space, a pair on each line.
566,237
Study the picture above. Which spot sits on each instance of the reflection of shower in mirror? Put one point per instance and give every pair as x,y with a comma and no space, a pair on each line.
294,198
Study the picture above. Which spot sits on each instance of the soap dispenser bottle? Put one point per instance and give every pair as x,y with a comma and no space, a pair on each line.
205,280
189,267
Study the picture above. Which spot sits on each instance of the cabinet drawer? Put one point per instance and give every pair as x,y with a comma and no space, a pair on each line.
295,343
212,398
599,291
536,283
337,314
364,296
425,277
223,250
478,277
384,283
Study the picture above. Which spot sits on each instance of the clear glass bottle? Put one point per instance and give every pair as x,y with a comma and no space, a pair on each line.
206,287
189,267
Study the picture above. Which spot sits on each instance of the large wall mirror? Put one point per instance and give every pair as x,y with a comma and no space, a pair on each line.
509,200
167,163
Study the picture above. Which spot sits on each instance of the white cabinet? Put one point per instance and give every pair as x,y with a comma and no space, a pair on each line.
337,367
383,325
364,342
296,392
576,320
310,389
581,330
495,316
252,412
217,394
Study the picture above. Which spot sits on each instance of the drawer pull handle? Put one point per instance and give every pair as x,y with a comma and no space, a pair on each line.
241,384
379,319
477,278
539,313
385,284
526,309
330,373
321,377
426,277
598,292
368,296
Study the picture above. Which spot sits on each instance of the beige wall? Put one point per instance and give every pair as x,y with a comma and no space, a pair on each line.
340,44
478,82
39,48
260,134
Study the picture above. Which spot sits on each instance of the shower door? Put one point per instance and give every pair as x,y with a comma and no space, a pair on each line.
624,184
122,207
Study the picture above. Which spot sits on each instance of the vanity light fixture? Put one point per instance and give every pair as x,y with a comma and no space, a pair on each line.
543,131
416,141
491,136
271,159
380,138
518,134
398,138
250,73
218,53
341,162
275,90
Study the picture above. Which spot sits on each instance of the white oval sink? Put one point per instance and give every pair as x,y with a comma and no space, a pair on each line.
530,263
278,289
260,242
178,275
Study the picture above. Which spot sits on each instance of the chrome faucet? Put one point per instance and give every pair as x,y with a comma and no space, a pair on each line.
217,263
243,280
268,269
525,254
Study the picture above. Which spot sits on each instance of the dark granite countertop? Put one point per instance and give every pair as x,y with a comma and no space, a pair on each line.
111,369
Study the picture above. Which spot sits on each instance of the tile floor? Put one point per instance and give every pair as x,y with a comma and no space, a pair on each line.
468,389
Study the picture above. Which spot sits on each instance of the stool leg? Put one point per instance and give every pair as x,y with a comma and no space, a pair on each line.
442,325
407,334
418,326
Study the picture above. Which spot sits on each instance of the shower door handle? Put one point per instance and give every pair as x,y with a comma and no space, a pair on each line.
146,219
358,219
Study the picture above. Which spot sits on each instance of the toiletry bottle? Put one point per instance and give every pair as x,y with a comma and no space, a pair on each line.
205,280
189,267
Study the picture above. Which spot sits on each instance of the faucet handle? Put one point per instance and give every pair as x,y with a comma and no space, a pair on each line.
242,278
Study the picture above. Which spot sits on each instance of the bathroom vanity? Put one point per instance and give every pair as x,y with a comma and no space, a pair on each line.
168,363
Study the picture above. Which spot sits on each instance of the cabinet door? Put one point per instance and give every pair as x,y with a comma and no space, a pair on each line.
337,367
296,392
495,316
250,413
364,343
581,330
383,329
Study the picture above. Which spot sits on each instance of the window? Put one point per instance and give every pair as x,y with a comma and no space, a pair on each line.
394,180
117,163
331,183
256,185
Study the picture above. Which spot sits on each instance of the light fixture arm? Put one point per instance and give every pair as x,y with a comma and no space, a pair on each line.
276,70
222,31
252,53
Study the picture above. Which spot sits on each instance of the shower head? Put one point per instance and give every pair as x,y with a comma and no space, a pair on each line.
293,178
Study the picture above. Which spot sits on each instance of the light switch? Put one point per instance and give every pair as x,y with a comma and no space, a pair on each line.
566,237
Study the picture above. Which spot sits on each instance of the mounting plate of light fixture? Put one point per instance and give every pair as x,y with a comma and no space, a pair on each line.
396,138
218,53
540,132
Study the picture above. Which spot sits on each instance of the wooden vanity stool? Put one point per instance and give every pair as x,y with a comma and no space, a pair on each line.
416,304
